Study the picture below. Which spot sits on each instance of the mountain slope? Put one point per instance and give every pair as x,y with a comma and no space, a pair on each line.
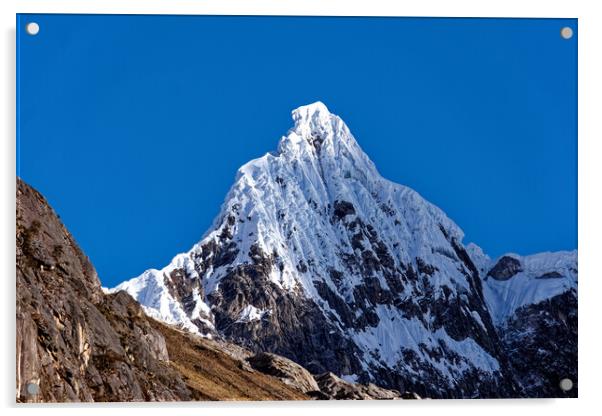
316,257
77,344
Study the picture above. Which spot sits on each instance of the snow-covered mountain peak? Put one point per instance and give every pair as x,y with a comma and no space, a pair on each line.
314,253
317,133
311,114
315,201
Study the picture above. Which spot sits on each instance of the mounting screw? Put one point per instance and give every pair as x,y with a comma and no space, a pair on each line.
32,28
566,32
33,389
566,384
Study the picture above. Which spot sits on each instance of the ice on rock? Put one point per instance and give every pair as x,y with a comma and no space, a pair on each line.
543,276
250,313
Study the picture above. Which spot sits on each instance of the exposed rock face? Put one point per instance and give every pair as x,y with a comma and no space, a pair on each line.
316,257
72,341
541,340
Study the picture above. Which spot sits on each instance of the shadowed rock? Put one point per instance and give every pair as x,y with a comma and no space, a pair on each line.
505,268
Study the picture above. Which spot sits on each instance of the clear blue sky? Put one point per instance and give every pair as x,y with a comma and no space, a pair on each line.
133,127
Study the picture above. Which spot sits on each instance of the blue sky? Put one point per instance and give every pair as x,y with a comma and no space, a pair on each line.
133,127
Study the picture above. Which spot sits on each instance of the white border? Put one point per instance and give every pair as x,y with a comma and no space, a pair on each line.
509,8
590,135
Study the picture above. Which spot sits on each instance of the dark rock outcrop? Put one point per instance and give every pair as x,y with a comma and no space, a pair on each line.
550,275
505,268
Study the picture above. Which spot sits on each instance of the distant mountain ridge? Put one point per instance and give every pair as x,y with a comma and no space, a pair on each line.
317,257
533,303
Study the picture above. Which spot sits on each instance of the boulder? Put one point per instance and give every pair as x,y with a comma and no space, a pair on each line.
286,370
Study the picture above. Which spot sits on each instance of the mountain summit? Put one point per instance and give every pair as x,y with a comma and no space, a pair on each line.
317,257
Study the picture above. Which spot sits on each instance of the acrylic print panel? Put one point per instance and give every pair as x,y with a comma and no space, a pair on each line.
295,208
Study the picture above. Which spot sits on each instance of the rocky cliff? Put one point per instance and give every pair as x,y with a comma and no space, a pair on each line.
73,342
